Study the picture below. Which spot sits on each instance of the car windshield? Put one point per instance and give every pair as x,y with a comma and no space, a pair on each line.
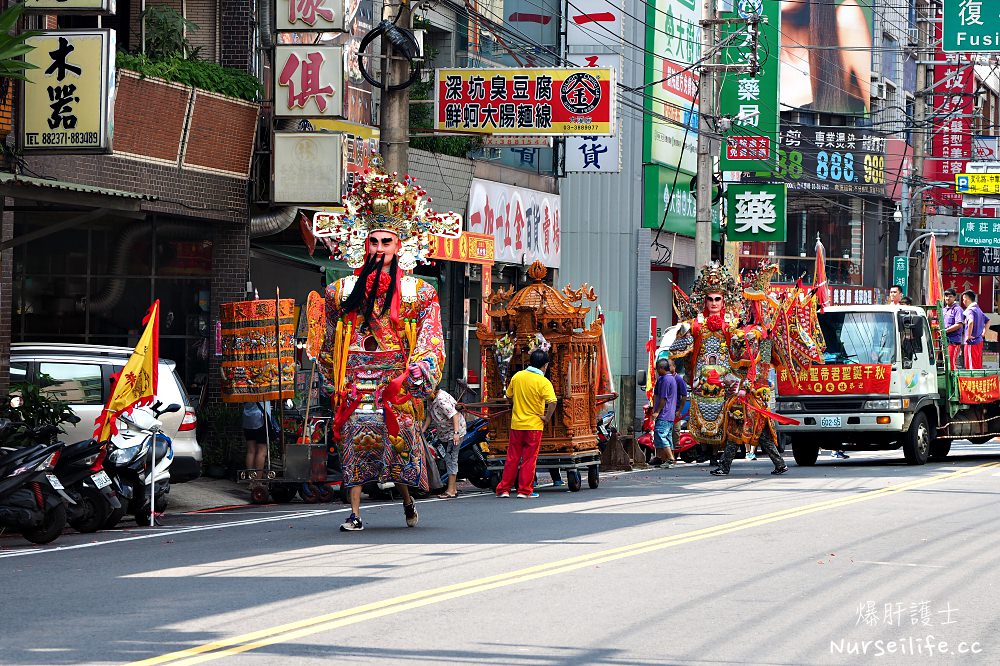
859,337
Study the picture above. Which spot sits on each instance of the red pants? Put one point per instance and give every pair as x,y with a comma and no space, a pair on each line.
519,467
974,356
955,354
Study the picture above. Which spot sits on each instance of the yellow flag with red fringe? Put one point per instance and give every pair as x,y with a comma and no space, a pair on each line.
135,385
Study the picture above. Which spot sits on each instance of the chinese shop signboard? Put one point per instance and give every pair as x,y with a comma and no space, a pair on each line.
670,124
594,23
953,101
555,102
828,159
66,105
469,248
596,154
756,213
309,81
978,390
308,167
751,99
524,223
856,379
309,15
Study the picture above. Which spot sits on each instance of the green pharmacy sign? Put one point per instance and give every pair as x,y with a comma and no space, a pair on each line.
749,99
756,213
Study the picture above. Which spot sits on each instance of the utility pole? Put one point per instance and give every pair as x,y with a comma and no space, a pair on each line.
913,197
394,115
706,163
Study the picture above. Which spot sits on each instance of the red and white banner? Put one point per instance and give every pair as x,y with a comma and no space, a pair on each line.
978,390
524,223
855,379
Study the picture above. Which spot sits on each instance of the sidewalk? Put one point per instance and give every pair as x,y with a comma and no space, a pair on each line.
206,493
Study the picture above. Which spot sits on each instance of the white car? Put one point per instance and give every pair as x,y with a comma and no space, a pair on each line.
80,375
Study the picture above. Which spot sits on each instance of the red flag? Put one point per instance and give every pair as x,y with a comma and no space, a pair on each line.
935,293
820,283
307,235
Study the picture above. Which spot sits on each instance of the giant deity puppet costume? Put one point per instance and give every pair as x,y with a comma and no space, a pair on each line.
383,349
704,339
731,344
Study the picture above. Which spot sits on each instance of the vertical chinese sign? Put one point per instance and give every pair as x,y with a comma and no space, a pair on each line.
756,213
309,81
751,99
596,154
66,105
953,105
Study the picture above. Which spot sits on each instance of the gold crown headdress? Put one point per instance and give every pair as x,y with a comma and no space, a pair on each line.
715,279
379,202
758,301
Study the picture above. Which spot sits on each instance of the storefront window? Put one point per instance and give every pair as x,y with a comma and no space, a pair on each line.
830,218
94,285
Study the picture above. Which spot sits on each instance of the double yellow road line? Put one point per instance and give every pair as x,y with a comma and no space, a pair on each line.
314,625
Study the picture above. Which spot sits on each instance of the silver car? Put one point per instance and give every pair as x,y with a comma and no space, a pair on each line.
80,375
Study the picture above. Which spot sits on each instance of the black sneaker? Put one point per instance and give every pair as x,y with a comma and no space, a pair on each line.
352,524
412,517
718,471
655,462
780,470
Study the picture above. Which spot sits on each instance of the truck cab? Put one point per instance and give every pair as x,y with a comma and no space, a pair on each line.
885,384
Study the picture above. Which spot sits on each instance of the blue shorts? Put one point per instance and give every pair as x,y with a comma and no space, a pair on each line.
663,434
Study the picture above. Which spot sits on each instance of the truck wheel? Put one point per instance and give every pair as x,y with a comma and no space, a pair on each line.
917,441
940,449
805,454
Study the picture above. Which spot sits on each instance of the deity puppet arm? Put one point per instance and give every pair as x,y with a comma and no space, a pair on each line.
427,354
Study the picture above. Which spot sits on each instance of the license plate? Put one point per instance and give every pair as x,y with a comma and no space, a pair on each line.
829,422
101,479
54,482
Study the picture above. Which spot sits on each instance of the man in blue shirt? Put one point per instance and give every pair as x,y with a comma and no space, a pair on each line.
664,411
954,320
975,326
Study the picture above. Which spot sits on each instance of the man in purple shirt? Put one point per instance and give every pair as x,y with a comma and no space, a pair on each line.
664,411
975,326
954,322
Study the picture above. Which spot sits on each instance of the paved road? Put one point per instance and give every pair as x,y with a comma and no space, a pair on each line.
849,562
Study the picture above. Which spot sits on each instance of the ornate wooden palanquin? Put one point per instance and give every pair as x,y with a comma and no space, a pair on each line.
538,308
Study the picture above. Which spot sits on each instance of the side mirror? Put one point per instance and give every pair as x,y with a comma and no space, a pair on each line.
640,378
171,408
73,418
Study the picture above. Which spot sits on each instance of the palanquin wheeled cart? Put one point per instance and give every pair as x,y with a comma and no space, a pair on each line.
539,315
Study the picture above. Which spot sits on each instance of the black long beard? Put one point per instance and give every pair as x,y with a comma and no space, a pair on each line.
363,300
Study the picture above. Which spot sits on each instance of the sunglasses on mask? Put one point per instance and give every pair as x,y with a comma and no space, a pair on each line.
713,299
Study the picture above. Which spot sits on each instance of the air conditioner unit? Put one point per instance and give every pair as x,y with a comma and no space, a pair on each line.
913,36
878,90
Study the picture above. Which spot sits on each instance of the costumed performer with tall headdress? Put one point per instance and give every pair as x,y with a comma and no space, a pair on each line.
383,350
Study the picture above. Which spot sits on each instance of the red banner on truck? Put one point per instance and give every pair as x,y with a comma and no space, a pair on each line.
978,390
855,379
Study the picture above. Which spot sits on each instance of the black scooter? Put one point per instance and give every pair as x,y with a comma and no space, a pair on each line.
471,455
32,499
81,471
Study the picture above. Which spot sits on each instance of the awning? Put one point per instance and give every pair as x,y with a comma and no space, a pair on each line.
299,257
64,192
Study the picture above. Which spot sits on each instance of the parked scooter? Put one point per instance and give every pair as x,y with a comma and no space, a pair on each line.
81,470
32,499
471,454
128,463
605,429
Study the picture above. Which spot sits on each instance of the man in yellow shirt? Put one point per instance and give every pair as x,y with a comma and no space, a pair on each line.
534,404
